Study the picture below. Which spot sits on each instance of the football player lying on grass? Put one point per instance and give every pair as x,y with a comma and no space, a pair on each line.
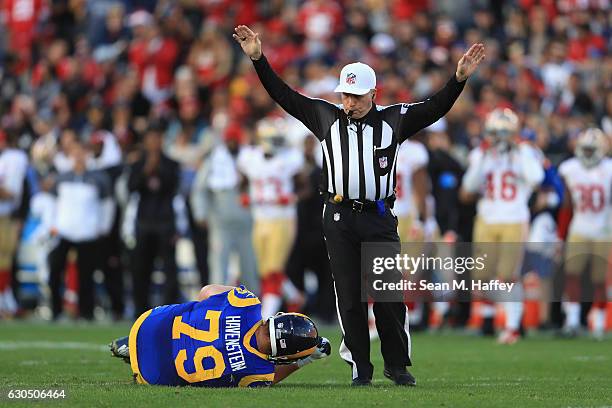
219,341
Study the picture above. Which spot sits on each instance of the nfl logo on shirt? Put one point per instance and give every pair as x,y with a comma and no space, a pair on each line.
336,216
382,162
350,78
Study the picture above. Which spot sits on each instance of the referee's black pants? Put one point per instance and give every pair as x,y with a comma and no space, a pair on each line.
345,230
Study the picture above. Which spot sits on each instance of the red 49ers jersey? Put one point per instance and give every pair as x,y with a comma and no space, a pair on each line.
591,195
271,187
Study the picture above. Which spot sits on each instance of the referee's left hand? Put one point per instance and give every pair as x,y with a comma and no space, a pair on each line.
469,62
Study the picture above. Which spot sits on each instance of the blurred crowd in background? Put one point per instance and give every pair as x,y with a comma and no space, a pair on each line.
133,88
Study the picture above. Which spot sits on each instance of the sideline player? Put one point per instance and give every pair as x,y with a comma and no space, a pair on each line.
504,173
219,341
588,183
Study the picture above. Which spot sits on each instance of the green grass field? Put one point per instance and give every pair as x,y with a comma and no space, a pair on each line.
451,370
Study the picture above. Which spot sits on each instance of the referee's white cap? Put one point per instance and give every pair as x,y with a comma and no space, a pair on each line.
356,78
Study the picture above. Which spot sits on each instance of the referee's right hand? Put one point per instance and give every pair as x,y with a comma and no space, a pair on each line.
249,41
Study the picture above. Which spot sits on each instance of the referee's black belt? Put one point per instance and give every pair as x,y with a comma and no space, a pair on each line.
362,205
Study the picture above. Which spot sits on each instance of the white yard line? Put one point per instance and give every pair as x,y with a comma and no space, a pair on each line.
50,345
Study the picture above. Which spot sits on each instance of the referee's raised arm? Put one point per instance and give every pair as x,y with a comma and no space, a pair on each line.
311,112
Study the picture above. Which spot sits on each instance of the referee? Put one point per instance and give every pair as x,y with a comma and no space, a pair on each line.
360,142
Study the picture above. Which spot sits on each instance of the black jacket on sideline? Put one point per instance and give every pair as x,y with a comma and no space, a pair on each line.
156,191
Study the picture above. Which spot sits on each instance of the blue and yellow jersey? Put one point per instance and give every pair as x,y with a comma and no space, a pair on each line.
209,343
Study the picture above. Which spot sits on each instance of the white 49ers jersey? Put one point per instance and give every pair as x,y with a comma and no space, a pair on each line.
591,195
505,182
410,157
271,189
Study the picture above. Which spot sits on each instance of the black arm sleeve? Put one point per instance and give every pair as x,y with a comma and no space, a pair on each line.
316,114
419,115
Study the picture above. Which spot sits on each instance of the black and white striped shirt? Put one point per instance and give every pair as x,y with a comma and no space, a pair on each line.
359,154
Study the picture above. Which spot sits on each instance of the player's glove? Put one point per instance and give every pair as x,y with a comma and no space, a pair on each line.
323,350
284,200
244,200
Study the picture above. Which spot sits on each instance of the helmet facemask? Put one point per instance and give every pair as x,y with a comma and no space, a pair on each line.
500,138
270,136
273,144
591,147
501,126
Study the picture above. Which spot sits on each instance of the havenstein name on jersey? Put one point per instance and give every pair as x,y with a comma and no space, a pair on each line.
235,354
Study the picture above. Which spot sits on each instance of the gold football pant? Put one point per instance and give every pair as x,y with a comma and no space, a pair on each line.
502,261
581,252
9,236
272,241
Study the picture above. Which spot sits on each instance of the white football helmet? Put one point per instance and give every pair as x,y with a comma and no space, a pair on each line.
501,125
591,147
271,135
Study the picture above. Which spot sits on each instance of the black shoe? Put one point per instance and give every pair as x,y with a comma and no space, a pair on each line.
360,382
488,327
399,376
120,348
